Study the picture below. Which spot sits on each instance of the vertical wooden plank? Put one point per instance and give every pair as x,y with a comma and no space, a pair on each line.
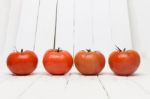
64,33
121,35
83,35
27,27
46,21
13,24
4,16
100,9
11,33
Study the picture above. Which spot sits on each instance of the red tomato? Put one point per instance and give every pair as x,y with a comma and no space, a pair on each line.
124,62
57,62
89,62
22,63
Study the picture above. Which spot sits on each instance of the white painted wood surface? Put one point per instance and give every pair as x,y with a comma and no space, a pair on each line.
81,24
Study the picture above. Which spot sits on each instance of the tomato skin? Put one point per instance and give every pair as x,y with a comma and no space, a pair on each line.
124,63
22,63
89,63
57,63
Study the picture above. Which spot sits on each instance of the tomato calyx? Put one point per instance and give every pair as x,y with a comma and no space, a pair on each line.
88,50
58,50
119,49
124,49
21,51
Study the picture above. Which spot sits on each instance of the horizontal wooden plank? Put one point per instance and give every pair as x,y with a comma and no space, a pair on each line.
120,87
15,86
86,87
47,87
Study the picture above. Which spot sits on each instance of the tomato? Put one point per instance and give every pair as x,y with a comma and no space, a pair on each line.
124,62
89,62
22,63
57,62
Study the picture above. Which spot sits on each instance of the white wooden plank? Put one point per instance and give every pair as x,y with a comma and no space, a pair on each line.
120,87
64,32
4,16
47,87
83,34
101,26
15,86
120,28
45,29
4,78
142,81
13,25
28,23
85,87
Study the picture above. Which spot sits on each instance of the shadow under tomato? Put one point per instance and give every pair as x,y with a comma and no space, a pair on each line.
112,74
22,75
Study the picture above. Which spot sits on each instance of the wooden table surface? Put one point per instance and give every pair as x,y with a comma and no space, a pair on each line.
73,85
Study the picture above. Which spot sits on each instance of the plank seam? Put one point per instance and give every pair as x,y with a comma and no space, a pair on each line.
36,28
55,30
74,24
67,82
103,86
27,88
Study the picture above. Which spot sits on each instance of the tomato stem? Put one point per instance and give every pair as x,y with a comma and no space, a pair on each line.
21,50
118,48
58,50
88,50
124,49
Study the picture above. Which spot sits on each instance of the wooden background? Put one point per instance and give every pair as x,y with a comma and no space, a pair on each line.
81,24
